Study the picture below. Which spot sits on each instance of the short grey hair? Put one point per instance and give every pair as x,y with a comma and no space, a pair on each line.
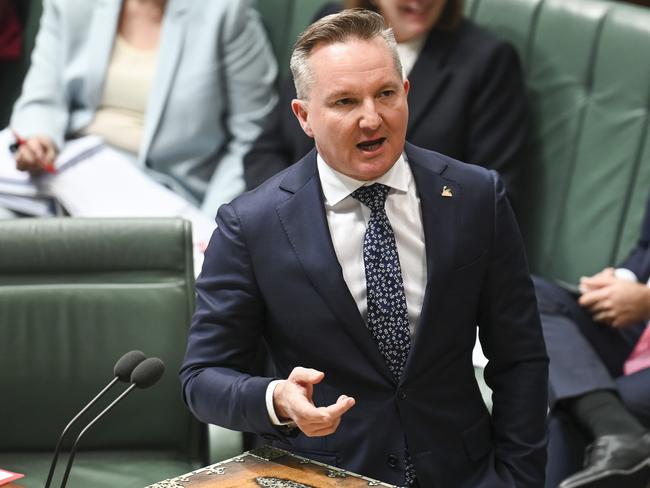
341,27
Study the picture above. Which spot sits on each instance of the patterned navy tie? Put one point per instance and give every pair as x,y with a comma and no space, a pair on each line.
387,313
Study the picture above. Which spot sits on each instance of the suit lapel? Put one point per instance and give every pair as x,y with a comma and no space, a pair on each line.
439,219
103,29
305,223
171,45
428,76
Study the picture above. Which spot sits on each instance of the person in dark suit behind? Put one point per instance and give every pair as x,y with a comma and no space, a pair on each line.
599,374
366,268
467,97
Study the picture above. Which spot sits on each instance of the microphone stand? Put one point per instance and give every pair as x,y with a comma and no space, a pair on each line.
58,444
76,442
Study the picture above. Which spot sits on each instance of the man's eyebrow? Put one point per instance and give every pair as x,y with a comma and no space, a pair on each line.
338,94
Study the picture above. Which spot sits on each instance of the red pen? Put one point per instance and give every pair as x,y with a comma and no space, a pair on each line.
19,141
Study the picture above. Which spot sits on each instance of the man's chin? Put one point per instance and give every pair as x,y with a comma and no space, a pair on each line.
371,170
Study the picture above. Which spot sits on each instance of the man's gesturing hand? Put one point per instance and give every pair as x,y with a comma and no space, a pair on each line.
292,399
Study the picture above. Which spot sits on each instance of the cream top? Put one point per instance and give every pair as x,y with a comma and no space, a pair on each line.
119,119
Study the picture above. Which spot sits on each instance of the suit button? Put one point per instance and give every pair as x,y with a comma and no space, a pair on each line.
401,395
393,462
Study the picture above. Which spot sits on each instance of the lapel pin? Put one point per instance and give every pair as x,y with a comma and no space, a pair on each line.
446,192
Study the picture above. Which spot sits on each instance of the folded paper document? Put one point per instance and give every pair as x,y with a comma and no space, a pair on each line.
93,180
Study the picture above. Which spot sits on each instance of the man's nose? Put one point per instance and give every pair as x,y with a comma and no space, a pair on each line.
370,118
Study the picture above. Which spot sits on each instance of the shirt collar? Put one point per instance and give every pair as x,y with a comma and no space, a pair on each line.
337,186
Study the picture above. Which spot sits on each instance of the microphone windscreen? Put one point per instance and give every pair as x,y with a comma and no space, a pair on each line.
148,372
126,364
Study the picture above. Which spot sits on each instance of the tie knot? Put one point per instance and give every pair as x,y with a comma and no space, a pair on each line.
373,196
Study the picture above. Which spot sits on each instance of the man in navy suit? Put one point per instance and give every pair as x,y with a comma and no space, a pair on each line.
599,379
366,268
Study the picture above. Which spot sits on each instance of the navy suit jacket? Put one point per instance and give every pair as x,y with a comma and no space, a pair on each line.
638,260
271,273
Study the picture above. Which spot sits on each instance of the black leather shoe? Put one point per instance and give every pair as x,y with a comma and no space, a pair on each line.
614,461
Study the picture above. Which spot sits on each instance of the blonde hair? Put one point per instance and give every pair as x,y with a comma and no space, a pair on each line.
341,27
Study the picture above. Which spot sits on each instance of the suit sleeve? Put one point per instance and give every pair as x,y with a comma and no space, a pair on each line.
42,108
511,338
275,149
499,119
638,261
227,327
249,71
282,141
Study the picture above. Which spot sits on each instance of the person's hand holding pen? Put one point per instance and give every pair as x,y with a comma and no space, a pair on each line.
36,154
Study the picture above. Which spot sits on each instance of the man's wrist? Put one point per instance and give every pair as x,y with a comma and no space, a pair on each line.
270,407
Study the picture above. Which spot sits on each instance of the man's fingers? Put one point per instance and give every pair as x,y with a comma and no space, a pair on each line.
306,375
319,432
342,405
323,421
604,316
592,297
599,280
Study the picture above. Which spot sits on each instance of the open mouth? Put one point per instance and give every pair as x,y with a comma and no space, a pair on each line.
372,145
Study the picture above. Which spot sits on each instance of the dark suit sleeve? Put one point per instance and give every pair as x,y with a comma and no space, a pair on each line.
282,141
278,146
639,259
217,383
511,338
498,119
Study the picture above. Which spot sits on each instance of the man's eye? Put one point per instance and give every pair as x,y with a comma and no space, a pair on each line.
387,93
344,101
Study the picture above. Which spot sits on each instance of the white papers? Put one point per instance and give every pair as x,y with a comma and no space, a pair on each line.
93,180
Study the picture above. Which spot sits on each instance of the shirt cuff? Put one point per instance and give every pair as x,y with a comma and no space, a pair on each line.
271,410
625,274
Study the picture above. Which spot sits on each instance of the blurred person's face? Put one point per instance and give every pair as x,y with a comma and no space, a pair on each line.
410,18
356,109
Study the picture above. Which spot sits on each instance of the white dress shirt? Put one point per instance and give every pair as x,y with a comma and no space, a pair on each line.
409,53
347,219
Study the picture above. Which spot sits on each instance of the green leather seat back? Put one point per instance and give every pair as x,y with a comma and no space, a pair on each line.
589,84
284,20
76,294
276,17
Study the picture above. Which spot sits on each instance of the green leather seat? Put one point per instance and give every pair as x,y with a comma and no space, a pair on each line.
76,294
588,73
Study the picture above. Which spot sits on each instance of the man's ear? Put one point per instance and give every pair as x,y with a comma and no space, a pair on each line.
407,86
301,111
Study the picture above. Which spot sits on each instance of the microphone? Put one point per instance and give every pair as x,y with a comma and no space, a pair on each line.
121,372
145,374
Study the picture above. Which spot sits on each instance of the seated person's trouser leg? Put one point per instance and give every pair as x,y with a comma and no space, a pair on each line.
584,356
